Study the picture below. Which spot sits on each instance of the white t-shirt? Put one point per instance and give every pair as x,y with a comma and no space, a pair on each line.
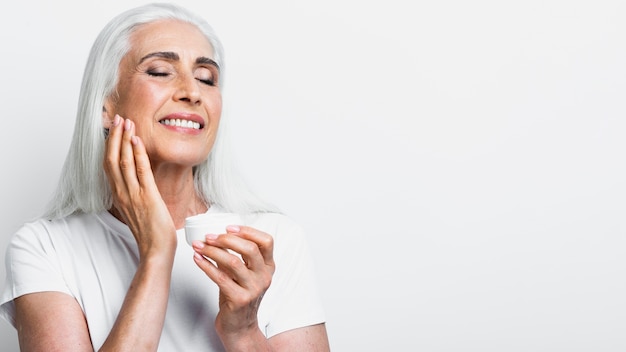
93,258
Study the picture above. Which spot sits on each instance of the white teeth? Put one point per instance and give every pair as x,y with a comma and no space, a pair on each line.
181,123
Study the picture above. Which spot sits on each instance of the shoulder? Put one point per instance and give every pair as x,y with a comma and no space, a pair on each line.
276,224
49,234
290,238
36,231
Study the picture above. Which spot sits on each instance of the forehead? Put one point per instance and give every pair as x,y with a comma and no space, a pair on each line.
170,35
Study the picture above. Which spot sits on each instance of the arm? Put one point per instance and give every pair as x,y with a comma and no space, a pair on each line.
51,321
140,321
312,338
243,282
138,202
54,321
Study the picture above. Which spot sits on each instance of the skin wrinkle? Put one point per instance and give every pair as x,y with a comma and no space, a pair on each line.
168,55
167,73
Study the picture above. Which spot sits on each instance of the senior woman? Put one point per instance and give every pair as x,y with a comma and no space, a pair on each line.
107,266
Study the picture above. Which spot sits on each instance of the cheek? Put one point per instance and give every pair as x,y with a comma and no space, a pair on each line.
140,98
215,105
145,96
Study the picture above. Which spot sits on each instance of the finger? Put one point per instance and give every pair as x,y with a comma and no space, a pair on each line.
112,142
142,164
112,154
205,258
245,250
263,241
226,256
224,251
127,156
240,258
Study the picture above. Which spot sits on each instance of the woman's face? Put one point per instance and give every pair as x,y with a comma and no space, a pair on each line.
168,86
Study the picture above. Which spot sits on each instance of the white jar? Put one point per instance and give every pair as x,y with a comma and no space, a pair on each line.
198,226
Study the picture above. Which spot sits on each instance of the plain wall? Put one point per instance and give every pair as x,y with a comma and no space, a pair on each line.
459,165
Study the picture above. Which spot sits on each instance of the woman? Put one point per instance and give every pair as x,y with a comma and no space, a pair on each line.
107,267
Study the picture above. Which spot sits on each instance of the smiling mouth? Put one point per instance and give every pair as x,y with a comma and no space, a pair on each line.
181,123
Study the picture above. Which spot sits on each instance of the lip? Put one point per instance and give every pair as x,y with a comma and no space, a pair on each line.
183,116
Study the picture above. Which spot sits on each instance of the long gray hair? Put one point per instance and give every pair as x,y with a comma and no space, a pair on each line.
83,186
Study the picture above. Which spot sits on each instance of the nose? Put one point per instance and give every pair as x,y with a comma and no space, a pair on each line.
188,89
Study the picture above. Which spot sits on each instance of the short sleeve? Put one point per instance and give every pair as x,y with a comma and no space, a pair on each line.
32,265
293,299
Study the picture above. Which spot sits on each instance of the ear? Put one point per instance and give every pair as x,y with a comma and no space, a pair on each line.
107,119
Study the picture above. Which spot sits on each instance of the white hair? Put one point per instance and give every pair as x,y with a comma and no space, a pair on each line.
83,185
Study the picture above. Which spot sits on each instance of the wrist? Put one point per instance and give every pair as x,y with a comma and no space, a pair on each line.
251,340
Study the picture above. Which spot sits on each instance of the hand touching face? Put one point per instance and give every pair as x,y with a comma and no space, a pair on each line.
168,86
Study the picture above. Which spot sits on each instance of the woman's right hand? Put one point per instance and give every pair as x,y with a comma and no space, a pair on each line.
138,203
136,198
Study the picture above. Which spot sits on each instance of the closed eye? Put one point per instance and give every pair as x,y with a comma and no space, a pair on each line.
157,74
209,82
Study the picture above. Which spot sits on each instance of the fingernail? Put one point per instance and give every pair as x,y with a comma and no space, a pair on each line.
233,228
210,236
116,120
127,125
197,244
134,140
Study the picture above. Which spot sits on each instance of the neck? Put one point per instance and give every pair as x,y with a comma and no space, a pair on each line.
179,194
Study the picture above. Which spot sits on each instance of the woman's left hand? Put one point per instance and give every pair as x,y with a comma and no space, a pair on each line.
242,265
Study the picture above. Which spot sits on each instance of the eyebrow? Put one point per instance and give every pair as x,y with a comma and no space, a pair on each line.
169,55
202,60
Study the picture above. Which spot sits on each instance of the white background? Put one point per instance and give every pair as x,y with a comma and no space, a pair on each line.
459,165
